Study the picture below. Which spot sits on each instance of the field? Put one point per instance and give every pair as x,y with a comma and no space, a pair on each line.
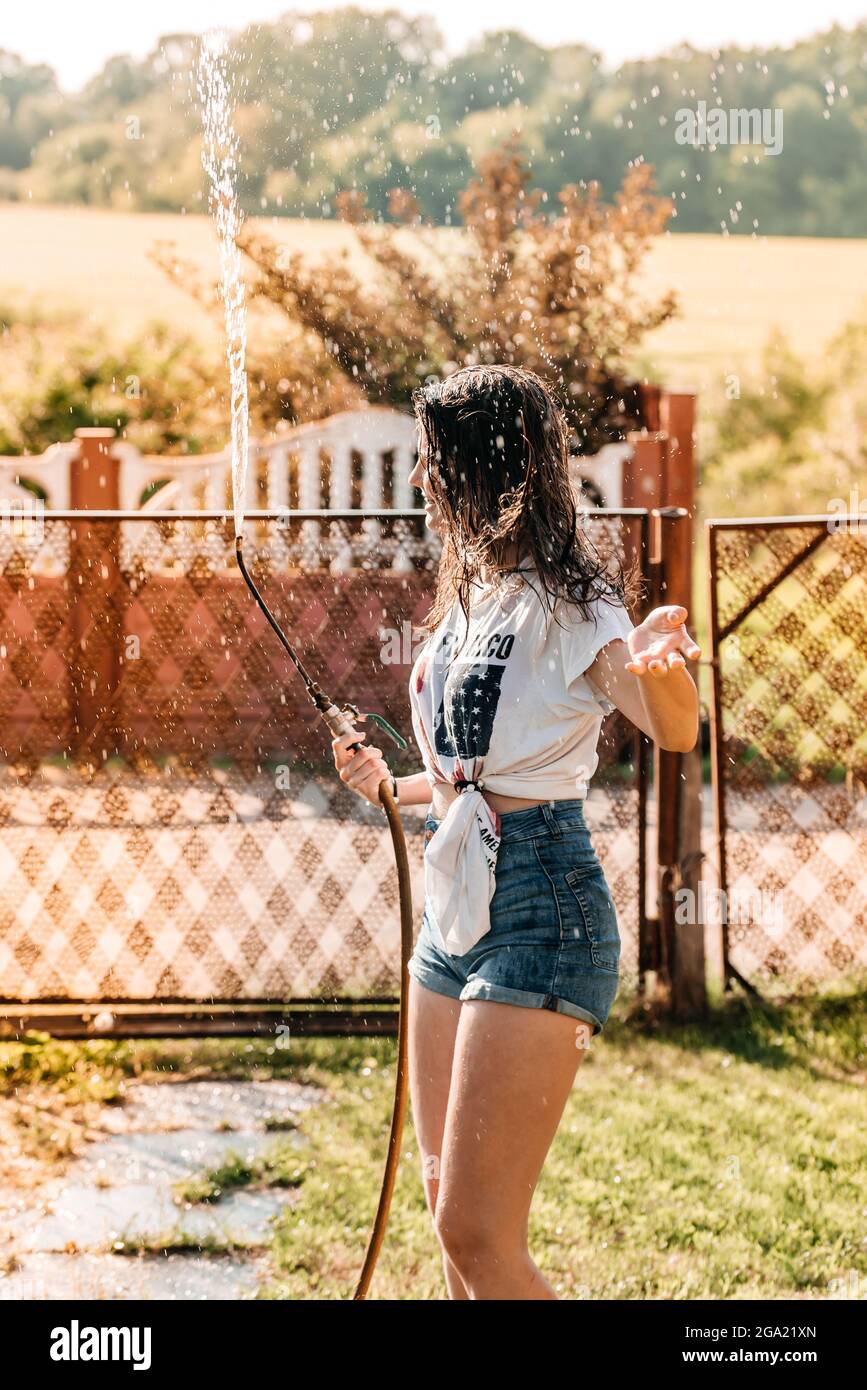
732,290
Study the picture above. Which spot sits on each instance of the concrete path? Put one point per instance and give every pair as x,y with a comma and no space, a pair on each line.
111,1226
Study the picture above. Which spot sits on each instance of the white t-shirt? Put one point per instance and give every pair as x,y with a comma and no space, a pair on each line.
512,710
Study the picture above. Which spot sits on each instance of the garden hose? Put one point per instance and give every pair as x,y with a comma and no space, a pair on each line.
340,721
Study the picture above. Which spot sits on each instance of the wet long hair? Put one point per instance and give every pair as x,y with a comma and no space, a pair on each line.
495,444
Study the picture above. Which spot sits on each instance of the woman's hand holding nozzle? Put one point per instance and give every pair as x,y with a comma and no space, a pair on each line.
362,769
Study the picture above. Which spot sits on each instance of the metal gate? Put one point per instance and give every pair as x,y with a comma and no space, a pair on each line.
177,854
788,615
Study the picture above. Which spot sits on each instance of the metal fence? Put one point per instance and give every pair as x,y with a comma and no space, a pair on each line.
788,607
176,850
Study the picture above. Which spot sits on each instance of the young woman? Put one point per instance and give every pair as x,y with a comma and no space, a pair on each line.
517,960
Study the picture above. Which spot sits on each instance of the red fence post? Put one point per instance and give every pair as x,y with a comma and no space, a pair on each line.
651,397
644,472
678,784
677,419
94,577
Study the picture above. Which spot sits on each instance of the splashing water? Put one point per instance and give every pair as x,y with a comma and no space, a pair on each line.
220,160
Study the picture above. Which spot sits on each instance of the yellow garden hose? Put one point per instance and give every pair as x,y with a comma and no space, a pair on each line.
401,1083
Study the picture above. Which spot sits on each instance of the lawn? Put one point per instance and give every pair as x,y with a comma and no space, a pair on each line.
722,1161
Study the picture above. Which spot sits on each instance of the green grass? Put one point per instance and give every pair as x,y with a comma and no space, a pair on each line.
278,1167
724,1160
180,1242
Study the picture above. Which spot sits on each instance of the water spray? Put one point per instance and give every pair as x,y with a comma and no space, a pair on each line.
220,158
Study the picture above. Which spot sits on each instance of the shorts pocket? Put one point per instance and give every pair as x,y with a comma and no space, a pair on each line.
598,914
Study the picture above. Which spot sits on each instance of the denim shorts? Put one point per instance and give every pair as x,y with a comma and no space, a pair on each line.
553,942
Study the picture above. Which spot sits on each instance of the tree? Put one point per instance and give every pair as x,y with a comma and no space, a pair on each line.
554,294
29,97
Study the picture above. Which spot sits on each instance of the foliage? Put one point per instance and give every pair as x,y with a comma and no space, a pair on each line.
557,295
289,378
157,390
767,442
348,99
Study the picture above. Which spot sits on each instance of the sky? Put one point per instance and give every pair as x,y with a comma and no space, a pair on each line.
76,40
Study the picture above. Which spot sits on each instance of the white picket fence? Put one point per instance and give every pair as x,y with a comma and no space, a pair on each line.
357,458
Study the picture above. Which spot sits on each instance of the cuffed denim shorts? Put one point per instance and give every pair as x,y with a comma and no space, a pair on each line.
553,942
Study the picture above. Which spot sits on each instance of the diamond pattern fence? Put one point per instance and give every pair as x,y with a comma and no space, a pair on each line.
172,830
789,615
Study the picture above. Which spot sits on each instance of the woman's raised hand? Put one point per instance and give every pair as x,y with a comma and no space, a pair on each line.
660,643
362,769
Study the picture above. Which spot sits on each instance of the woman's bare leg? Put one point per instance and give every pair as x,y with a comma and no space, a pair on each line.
512,1072
433,1023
